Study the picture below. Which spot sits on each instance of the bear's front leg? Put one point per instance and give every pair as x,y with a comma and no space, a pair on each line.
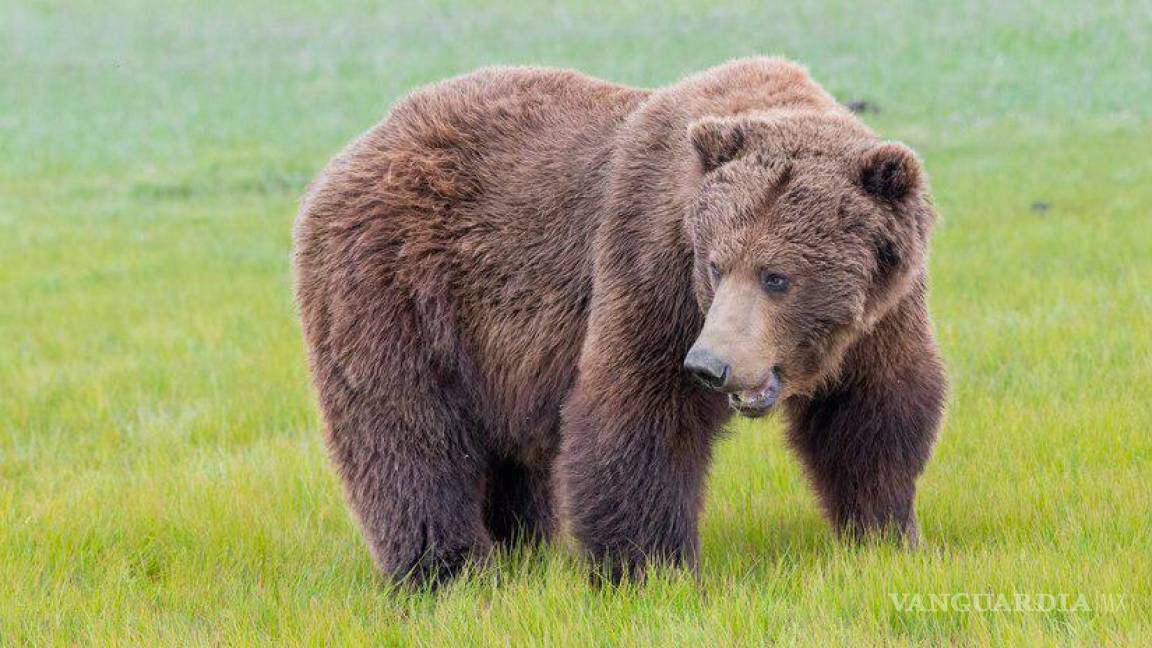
632,466
865,438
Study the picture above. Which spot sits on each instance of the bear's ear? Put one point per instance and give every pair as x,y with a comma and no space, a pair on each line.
716,141
890,171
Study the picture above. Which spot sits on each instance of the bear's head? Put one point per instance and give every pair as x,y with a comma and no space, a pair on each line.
806,231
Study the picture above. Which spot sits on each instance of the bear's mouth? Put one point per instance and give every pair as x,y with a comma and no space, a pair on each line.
756,402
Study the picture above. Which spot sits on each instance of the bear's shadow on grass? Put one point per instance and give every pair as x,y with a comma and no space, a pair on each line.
732,548
801,535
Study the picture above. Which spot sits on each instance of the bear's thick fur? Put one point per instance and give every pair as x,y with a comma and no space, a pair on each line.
499,284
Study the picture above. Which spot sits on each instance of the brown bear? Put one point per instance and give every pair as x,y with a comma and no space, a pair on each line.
530,295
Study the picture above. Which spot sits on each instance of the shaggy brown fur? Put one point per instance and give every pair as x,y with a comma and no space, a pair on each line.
499,284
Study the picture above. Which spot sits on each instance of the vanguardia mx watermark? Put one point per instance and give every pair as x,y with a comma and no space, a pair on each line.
1006,602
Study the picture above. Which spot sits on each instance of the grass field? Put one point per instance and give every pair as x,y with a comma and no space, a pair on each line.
162,473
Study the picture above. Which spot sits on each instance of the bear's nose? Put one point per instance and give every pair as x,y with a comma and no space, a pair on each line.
712,372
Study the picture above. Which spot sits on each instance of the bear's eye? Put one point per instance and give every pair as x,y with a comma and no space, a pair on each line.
714,272
773,281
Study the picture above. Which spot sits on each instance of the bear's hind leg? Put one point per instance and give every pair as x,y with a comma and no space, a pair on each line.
416,479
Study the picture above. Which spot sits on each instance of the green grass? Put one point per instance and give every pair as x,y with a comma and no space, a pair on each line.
162,475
